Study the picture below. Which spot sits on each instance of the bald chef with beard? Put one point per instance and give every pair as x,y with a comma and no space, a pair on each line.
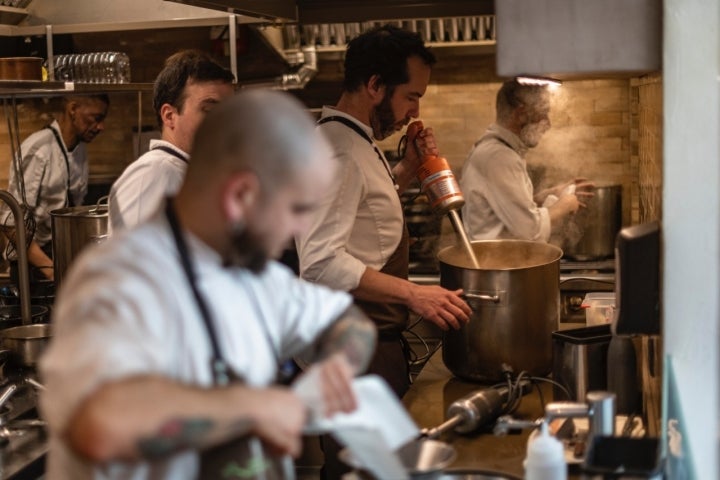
499,197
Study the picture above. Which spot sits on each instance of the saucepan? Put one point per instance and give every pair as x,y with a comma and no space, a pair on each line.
24,344
21,68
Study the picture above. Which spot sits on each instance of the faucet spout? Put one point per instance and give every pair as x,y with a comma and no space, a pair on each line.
21,247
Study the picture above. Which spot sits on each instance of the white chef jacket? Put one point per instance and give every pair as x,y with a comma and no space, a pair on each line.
45,175
498,191
141,188
360,224
126,309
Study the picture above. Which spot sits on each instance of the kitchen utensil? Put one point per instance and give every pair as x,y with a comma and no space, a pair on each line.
515,300
25,343
591,231
74,228
469,413
21,68
421,459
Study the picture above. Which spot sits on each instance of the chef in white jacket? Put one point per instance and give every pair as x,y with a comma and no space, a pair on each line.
189,85
500,201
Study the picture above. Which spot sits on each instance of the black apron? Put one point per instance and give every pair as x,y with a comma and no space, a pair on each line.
244,457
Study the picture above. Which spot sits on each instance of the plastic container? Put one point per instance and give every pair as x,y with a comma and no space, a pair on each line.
599,308
545,458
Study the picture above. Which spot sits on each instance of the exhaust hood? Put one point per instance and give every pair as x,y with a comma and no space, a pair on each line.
341,11
568,38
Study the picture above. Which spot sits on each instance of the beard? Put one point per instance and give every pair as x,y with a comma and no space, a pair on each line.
531,133
382,119
246,250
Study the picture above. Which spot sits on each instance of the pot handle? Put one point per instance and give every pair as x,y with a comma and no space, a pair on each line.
481,296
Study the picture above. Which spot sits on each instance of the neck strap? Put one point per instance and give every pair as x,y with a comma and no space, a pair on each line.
68,197
220,370
354,126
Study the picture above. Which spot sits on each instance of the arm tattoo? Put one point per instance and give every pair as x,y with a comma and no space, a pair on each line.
354,335
173,436
190,434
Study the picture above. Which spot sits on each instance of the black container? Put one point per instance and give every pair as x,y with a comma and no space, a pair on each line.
580,361
624,457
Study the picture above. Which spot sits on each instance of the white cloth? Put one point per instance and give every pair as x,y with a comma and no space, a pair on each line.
361,222
45,177
126,309
498,191
141,188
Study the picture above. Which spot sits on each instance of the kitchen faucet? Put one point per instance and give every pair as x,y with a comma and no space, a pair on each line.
21,247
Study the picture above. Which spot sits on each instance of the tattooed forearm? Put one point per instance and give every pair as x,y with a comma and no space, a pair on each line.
354,335
189,433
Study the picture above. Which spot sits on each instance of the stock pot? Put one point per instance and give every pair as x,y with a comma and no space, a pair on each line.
515,301
73,228
590,233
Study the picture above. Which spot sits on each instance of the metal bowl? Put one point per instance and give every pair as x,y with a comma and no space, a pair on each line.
423,459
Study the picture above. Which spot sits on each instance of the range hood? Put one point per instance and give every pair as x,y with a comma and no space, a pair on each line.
568,38
341,11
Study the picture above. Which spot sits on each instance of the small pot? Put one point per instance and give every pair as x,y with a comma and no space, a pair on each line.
21,68
25,343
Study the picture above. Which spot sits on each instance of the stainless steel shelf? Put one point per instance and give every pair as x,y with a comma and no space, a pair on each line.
21,30
28,89
12,15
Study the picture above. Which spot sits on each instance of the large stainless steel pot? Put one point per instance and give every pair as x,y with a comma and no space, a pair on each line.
515,298
591,232
73,228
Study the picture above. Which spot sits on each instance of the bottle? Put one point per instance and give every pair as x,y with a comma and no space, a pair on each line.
437,180
545,458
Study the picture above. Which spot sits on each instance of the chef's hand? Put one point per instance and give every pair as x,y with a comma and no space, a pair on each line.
584,190
280,422
565,205
445,308
582,187
405,170
326,387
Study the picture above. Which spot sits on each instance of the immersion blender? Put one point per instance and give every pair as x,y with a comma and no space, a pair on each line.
439,184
